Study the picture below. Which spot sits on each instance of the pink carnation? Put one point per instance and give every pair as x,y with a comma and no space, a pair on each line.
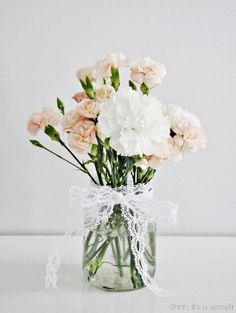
71,119
83,136
89,108
79,96
42,119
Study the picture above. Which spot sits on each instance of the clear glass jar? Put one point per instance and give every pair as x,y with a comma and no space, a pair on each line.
108,262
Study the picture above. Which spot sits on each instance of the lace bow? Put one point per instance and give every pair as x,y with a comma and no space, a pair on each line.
94,205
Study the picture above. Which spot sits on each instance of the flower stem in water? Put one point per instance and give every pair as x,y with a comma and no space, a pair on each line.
118,256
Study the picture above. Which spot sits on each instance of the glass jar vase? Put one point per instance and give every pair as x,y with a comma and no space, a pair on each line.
108,261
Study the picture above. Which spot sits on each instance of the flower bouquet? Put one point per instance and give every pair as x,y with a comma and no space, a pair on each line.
119,137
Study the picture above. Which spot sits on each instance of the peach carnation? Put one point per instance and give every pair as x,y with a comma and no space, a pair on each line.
89,71
104,93
154,161
187,134
114,60
71,119
89,108
79,96
148,72
83,136
42,119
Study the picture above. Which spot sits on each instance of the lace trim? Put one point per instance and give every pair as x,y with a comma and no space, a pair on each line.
94,205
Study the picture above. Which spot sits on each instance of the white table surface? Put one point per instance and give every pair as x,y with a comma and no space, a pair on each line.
201,270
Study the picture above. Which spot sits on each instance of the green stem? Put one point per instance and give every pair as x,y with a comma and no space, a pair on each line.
114,252
86,244
110,159
80,163
145,175
118,256
128,168
98,173
101,254
133,174
95,243
109,175
126,254
115,167
139,178
60,157
93,253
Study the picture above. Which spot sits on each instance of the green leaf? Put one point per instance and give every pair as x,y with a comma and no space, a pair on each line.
115,78
92,157
132,85
36,143
144,88
151,174
52,133
60,106
94,150
88,162
106,144
88,87
88,83
83,84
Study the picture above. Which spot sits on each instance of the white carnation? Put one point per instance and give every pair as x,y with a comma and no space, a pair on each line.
134,122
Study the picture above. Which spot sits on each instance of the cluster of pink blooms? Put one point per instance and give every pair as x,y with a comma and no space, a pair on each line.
78,123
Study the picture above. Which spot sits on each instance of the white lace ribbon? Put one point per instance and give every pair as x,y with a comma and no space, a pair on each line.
94,205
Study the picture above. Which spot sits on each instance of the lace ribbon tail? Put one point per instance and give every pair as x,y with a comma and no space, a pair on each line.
138,226
152,285
55,257
53,265
75,227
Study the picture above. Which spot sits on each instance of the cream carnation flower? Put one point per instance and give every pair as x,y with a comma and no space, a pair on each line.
147,71
89,71
104,93
163,152
71,119
186,132
114,60
42,119
134,122
154,162
89,108
83,136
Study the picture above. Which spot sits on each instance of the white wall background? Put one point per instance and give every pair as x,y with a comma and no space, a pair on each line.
43,43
